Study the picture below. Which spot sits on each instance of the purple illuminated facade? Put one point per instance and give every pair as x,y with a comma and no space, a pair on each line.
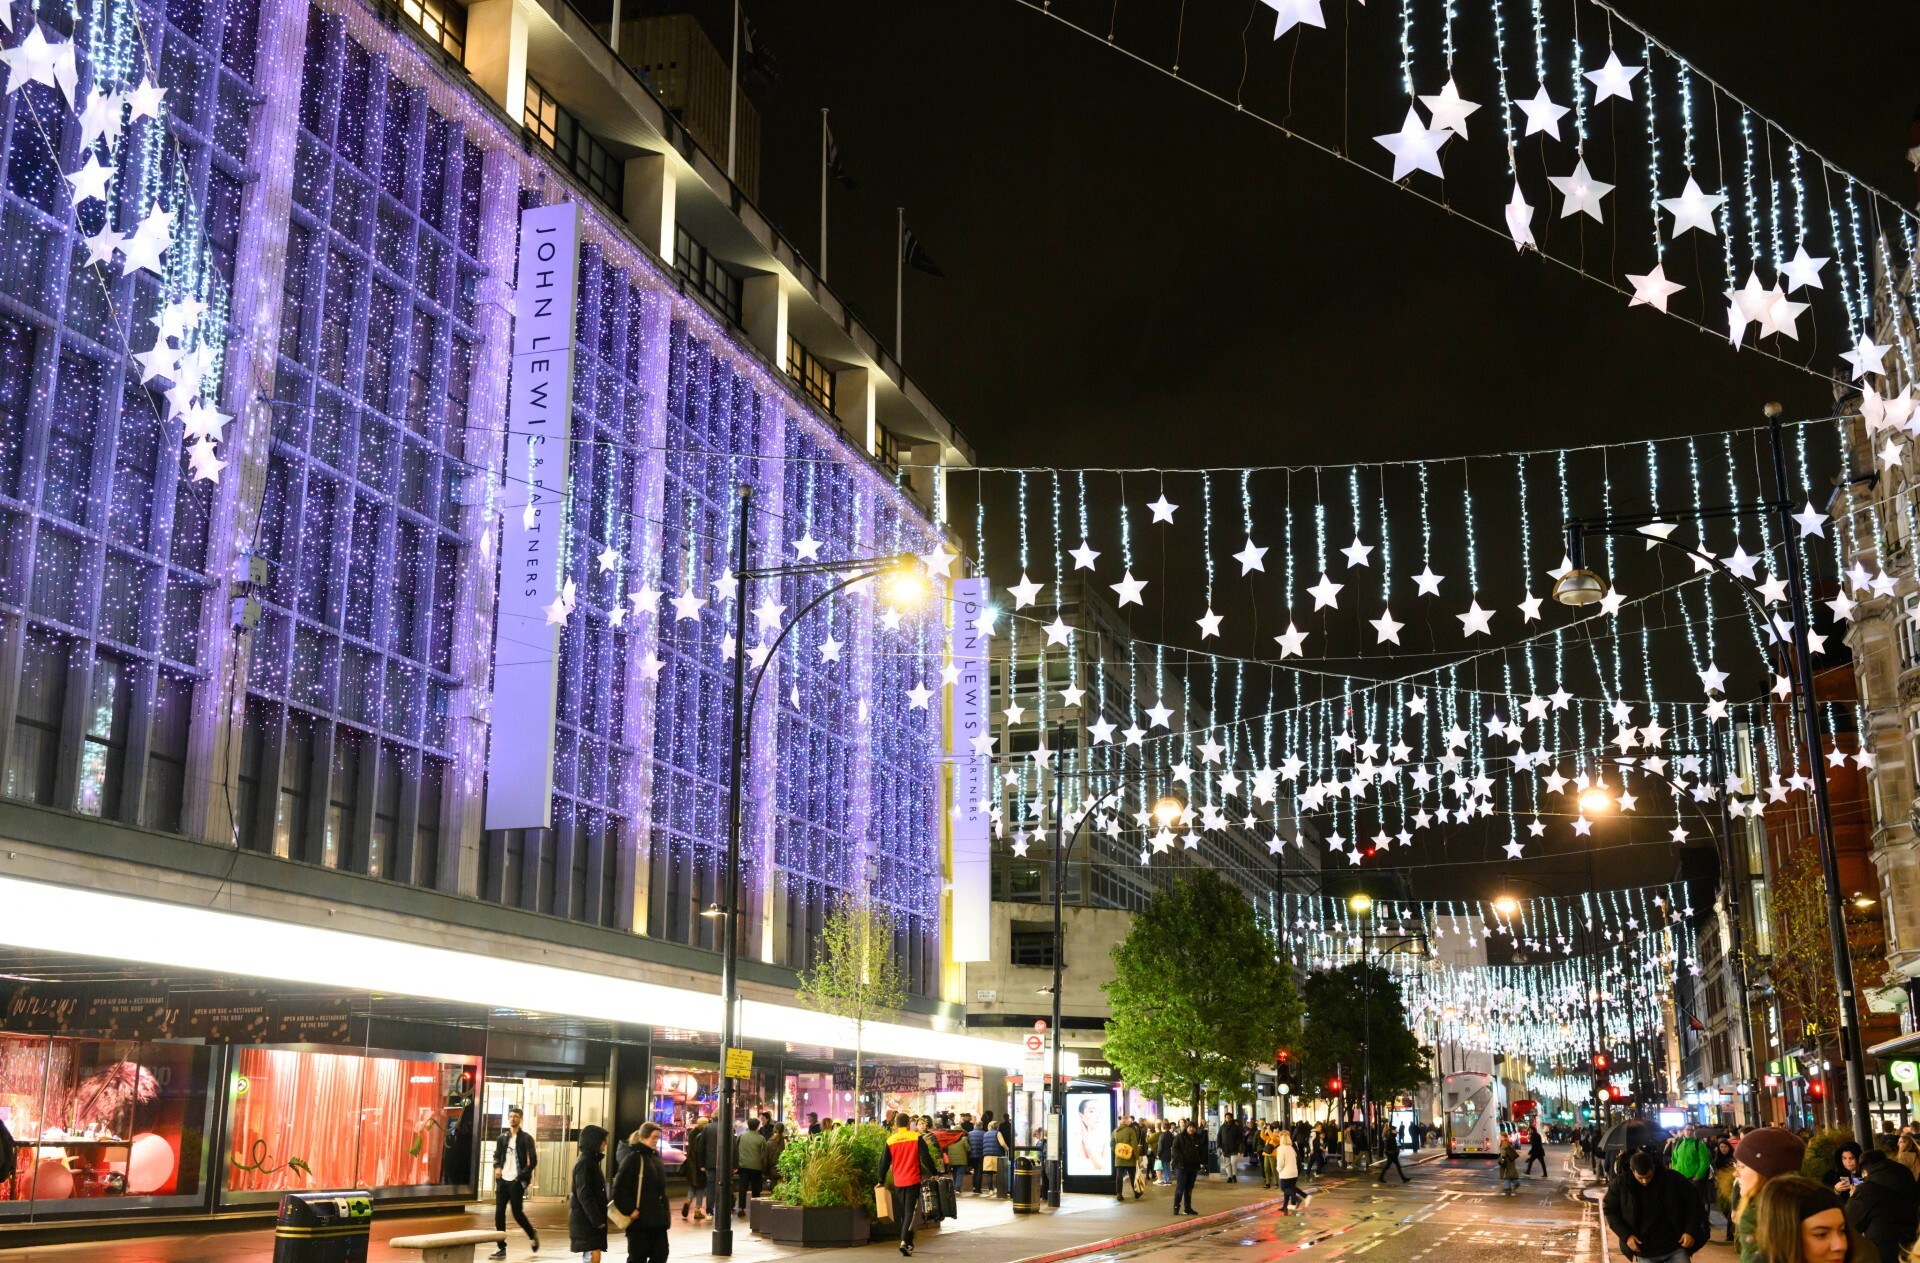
355,200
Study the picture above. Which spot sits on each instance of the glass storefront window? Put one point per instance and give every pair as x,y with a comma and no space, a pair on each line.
554,1111
97,1119
683,1094
304,1120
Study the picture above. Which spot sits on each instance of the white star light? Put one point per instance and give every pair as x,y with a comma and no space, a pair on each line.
918,696
1449,110
101,245
1542,114
36,60
1581,191
1326,593
807,548
145,100
1128,590
1693,209
1209,625
1058,632
1288,14
1025,592
1653,289
687,606
1803,270
1612,79
1084,556
100,120
1530,608
1475,621
608,559
1415,147
1519,219
1357,553
830,649
1386,628
1427,583
149,240
1292,641
1163,508
1866,356
89,183
1251,558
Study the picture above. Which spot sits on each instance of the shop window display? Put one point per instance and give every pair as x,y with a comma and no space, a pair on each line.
97,1119
304,1120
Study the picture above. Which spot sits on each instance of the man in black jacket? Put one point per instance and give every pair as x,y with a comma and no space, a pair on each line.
1655,1212
513,1164
1390,1154
1189,1155
1883,1206
1231,1135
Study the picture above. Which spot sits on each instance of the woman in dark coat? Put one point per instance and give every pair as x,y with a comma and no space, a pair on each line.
640,1190
1884,1208
587,1205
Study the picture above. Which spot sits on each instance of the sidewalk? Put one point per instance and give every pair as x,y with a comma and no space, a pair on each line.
985,1231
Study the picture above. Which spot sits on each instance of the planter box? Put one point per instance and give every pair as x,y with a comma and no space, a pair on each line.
822,1226
757,1213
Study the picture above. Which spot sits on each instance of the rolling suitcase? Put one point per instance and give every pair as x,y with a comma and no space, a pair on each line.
949,1206
930,1201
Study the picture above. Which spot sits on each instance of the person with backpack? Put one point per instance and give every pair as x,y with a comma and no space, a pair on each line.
1692,1160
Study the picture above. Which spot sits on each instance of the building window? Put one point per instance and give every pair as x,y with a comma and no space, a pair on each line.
892,449
1031,945
443,21
1909,634
814,378
708,277
577,149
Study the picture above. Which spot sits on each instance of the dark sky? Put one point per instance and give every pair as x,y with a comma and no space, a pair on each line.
1136,275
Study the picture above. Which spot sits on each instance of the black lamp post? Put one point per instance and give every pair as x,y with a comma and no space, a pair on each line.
1580,586
908,569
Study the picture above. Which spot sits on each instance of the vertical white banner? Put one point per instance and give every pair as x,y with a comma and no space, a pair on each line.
972,826
532,609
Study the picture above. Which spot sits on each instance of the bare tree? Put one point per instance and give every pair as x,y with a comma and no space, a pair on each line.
856,974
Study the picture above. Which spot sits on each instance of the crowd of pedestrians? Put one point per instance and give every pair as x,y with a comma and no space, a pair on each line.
1660,1199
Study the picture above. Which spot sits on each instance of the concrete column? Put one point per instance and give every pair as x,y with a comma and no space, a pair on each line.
927,480
763,309
651,324
853,404
497,52
219,699
474,588
648,195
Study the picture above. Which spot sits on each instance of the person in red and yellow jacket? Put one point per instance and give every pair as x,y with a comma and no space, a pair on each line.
906,1167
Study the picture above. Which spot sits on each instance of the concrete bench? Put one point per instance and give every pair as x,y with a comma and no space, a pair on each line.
446,1247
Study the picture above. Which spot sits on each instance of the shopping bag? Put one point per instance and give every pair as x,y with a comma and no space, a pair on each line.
882,1204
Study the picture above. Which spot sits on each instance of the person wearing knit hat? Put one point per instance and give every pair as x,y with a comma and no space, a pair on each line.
1763,1154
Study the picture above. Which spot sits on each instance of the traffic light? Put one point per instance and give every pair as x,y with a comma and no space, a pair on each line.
1613,1092
1333,1085
1280,1056
1816,1089
1600,1062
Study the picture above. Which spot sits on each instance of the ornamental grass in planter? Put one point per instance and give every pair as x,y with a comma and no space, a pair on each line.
825,1192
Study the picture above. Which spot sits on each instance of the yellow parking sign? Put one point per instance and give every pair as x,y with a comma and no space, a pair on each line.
739,1063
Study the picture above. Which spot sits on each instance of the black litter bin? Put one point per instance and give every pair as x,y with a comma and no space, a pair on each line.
322,1228
1026,1186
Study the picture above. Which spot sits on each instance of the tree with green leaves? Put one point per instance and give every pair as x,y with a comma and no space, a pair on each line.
1200,995
1349,1018
856,973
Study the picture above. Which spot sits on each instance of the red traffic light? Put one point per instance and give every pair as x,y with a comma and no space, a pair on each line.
1614,1093
1280,1057
1599,1061
1816,1089
1333,1085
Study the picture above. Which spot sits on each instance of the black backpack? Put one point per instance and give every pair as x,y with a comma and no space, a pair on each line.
9,1154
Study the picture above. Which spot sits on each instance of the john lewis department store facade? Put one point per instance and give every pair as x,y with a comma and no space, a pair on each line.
211,789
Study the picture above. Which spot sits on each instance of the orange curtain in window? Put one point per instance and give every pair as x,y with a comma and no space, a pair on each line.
403,1100
295,1105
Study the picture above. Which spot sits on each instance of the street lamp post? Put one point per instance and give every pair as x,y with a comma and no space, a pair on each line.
1167,809
1580,586
905,566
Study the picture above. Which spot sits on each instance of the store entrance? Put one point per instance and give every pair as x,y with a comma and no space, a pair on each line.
554,1111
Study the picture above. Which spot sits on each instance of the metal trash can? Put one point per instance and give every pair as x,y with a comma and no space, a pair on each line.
322,1227
1026,1186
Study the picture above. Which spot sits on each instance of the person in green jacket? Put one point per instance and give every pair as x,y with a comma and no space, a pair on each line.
1762,1154
1126,1159
1691,1158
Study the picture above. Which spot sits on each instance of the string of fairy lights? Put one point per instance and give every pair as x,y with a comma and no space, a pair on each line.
1746,200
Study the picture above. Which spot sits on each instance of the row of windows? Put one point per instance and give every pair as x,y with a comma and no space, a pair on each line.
577,149
814,378
706,275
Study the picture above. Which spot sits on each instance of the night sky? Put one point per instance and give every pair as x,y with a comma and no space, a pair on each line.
1138,276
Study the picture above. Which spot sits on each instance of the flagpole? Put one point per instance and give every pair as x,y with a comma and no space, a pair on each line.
733,94
899,288
823,192
613,41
